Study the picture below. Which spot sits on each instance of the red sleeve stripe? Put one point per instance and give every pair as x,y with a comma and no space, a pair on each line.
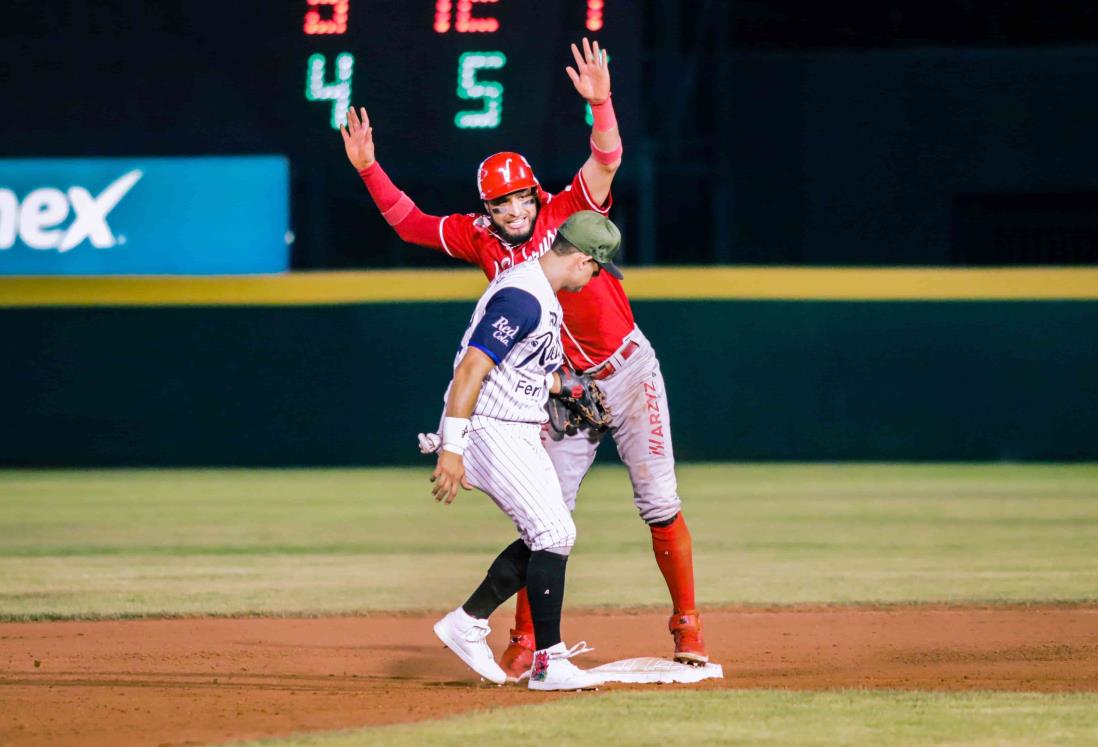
587,197
442,238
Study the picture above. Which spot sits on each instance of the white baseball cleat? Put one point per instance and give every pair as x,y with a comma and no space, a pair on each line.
553,671
464,635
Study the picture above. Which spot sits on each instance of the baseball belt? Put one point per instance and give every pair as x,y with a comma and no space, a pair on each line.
606,369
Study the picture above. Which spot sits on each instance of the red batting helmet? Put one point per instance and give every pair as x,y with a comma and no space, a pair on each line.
503,173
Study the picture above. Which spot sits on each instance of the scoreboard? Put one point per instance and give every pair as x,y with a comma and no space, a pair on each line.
445,82
457,17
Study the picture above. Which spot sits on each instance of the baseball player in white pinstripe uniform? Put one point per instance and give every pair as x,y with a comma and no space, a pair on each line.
491,433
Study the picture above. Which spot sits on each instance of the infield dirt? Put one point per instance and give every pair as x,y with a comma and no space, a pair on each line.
208,680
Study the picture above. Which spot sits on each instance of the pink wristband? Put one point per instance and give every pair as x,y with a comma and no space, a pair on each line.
603,114
606,157
399,211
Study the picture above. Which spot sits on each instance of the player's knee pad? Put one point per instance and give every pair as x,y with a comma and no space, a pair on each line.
507,574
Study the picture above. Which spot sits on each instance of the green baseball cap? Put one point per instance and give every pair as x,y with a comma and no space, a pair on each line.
596,236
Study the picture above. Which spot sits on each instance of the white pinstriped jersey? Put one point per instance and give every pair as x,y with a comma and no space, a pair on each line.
517,324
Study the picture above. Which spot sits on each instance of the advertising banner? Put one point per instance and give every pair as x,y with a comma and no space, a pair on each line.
144,216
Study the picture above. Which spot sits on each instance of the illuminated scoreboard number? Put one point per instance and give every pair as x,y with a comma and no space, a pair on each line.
461,13
329,17
594,15
338,91
471,89
336,23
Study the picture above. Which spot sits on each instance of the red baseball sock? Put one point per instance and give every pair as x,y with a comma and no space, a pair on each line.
524,619
675,557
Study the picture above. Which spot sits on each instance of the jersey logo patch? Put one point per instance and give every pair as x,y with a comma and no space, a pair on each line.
504,331
546,349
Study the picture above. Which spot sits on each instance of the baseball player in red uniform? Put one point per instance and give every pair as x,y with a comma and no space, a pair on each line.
599,335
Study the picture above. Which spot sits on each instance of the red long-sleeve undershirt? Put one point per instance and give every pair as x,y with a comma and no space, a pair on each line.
411,224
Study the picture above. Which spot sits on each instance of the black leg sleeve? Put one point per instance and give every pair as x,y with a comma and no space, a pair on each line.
545,587
505,577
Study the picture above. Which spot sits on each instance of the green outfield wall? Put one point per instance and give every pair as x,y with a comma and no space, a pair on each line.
92,378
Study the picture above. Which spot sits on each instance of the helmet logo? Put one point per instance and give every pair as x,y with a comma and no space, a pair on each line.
501,173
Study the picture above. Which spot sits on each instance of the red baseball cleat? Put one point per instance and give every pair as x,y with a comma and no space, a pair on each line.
686,627
519,656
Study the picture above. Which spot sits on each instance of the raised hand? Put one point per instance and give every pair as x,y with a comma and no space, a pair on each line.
591,76
358,139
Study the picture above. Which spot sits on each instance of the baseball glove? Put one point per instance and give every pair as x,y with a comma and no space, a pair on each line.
580,404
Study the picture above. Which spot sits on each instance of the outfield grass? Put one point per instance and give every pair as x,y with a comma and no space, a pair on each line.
760,718
108,543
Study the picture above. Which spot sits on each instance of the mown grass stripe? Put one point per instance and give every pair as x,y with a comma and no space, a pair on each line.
138,542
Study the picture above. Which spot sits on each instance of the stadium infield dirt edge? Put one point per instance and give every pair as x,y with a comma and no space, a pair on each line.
210,680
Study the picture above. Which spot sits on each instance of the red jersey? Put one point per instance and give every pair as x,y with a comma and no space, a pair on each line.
596,319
